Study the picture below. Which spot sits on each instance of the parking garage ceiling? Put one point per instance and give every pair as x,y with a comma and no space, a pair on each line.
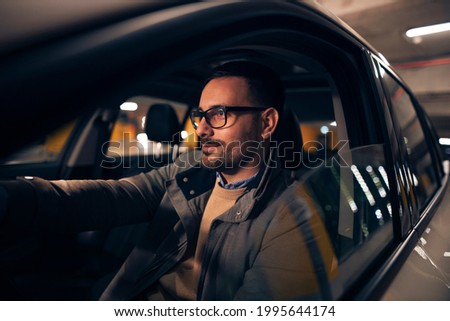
384,23
423,62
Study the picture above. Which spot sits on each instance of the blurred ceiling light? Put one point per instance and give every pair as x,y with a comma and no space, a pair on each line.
129,106
428,30
142,138
444,141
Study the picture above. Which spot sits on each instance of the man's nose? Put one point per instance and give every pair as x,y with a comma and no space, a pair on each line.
203,129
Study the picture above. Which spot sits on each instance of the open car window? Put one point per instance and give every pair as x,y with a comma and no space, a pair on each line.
129,137
46,150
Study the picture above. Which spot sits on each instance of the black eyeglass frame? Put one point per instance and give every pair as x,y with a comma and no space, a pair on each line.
196,112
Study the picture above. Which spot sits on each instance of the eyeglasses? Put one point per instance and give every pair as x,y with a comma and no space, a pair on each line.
216,117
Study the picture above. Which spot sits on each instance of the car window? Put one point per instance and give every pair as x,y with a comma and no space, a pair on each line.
321,131
349,190
423,176
354,203
343,178
137,144
129,138
46,150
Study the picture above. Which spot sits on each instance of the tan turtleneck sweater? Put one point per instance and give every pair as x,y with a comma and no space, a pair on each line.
181,282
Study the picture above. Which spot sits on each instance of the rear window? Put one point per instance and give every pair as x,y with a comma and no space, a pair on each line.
129,137
46,150
424,178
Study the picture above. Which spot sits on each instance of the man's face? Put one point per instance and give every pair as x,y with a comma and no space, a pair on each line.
231,147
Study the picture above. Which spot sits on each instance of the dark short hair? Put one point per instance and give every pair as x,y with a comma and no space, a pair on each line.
265,86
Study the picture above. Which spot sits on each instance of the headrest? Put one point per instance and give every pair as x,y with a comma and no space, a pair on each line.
288,141
161,124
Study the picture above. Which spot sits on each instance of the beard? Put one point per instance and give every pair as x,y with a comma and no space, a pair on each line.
229,157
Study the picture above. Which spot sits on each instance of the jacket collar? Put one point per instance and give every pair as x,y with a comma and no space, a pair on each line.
198,182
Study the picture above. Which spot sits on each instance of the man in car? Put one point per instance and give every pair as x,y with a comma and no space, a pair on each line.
215,232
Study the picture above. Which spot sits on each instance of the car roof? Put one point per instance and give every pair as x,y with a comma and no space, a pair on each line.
24,23
38,40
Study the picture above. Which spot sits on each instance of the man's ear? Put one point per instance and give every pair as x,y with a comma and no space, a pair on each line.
269,121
